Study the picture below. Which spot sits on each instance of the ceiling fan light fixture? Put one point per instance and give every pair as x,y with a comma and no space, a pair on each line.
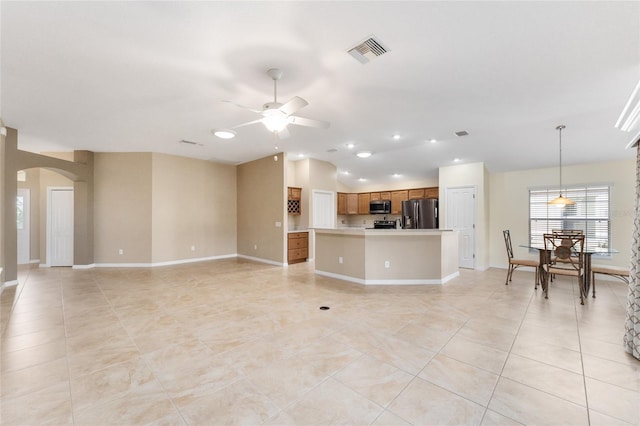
274,120
224,133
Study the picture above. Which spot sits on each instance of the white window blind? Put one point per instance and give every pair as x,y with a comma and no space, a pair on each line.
590,214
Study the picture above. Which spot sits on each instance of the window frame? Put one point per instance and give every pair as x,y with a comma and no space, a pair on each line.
590,214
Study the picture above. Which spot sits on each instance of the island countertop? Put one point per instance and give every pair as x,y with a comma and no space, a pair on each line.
387,256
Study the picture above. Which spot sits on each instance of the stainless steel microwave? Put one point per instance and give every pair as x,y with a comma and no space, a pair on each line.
380,207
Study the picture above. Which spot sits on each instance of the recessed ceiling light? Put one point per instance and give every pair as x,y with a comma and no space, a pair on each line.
362,179
351,145
364,154
346,172
396,137
396,175
455,160
433,140
300,155
224,133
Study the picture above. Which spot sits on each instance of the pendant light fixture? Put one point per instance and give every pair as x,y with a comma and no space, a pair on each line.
560,200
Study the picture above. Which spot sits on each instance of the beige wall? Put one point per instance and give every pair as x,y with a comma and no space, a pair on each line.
123,215
32,183
475,175
2,203
194,209
510,203
262,197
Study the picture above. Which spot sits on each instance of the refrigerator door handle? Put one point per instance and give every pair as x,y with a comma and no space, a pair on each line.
416,215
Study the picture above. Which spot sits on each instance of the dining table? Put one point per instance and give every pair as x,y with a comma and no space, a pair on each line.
586,275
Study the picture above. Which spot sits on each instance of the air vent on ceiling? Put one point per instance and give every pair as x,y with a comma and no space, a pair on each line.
462,133
190,142
332,150
369,49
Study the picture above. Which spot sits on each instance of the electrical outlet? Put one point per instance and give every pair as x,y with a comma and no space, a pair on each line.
120,251
387,264
340,260
193,248
278,224
255,247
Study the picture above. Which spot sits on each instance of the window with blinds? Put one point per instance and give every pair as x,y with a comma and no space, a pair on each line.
590,214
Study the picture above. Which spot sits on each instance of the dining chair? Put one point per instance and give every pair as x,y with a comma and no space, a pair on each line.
567,258
515,263
621,273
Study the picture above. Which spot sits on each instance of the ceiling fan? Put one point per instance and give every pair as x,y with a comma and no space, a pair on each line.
276,116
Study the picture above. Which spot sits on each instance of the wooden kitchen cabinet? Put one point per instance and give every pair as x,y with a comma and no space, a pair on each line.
342,203
385,195
415,194
297,247
363,203
431,192
397,197
352,203
294,196
375,196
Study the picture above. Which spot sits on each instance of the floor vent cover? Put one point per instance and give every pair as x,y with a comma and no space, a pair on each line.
369,49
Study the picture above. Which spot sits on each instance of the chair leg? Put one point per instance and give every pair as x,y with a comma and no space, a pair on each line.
593,283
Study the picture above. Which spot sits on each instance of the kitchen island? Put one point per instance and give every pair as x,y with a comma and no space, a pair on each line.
387,256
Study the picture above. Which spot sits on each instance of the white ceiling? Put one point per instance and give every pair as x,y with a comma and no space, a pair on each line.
142,76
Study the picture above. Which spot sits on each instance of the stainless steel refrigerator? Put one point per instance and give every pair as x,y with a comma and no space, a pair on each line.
420,214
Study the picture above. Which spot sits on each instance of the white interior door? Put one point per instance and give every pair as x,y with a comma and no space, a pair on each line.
60,226
461,216
23,205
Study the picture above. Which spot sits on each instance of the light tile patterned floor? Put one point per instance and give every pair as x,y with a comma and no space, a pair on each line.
239,342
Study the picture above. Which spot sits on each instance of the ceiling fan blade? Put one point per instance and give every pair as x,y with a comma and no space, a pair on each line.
301,121
249,123
283,134
243,107
295,104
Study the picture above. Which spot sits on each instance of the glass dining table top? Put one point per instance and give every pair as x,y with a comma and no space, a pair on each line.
588,250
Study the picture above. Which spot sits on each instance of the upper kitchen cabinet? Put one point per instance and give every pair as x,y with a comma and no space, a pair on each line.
342,203
431,192
416,194
352,203
294,196
363,203
397,197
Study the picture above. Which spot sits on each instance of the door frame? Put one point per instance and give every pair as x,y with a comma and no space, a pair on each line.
475,218
50,189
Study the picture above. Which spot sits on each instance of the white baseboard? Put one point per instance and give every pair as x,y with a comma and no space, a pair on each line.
8,284
389,282
166,263
258,259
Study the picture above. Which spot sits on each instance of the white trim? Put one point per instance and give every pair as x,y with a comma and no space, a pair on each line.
154,264
257,259
34,261
8,284
90,266
389,282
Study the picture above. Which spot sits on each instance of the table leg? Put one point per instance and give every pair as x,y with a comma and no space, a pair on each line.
586,277
544,277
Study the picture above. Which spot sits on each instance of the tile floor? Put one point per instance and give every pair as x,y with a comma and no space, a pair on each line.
239,342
